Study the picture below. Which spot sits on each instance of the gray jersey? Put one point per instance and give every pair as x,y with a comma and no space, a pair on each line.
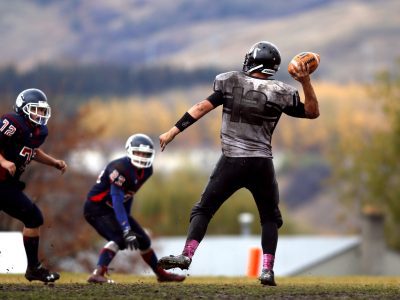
251,110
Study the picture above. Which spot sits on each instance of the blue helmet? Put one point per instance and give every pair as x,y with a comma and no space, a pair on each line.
33,104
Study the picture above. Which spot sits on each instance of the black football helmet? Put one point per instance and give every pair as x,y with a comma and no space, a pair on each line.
140,149
33,104
263,57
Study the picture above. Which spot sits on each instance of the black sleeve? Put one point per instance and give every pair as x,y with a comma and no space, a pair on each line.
296,107
216,98
296,111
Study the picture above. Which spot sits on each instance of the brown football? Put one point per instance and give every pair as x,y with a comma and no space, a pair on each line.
311,60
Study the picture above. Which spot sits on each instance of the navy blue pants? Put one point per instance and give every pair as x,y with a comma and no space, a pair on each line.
103,219
17,205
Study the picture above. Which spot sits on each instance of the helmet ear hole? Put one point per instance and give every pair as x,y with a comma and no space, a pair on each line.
19,102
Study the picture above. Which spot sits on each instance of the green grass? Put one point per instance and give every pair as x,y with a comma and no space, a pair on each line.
74,286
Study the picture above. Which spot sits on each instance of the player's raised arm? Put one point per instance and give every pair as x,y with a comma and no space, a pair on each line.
311,106
192,115
300,68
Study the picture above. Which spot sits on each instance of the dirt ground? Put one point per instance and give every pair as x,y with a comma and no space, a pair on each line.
204,288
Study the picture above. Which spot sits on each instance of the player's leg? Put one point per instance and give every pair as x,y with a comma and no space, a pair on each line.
223,182
264,189
149,256
19,206
100,273
103,220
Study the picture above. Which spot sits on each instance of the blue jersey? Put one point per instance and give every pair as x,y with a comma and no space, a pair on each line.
19,139
123,175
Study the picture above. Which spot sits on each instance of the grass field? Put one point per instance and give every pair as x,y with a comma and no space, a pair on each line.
74,286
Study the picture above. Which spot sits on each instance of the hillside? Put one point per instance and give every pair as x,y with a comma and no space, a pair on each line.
355,38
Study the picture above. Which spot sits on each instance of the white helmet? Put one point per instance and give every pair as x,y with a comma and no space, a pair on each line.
140,150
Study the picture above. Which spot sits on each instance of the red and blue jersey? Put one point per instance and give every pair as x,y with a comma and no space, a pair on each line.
122,174
19,139
116,186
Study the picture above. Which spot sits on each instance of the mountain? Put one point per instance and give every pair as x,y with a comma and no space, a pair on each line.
355,38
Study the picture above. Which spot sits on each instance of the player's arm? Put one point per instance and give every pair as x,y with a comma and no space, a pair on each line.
194,113
44,158
7,133
117,196
310,102
8,165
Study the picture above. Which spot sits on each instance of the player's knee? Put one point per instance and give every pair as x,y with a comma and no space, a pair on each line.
279,223
112,246
144,243
201,211
120,242
277,219
33,218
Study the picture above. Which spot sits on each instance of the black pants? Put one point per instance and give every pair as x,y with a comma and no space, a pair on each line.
103,219
16,204
231,174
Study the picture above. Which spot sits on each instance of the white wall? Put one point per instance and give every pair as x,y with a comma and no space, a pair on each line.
229,255
12,253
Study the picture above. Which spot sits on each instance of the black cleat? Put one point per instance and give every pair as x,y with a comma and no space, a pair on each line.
267,277
169,262
41,274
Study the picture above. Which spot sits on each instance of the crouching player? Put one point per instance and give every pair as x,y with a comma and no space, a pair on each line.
22,132
108,207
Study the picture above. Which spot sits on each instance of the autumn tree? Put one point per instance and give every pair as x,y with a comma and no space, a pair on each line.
366,159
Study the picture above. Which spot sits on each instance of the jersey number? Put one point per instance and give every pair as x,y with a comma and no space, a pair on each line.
27,153
114,177
8,129
117,178
252,108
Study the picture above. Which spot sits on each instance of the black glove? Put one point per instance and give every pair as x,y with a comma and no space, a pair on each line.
131,241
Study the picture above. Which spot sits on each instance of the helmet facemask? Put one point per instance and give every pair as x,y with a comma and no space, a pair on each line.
141,157
33,104
38,113
140,150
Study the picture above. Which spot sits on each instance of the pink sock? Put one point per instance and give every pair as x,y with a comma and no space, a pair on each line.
190,248
268,261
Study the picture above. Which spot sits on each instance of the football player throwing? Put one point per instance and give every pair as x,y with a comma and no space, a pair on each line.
252,104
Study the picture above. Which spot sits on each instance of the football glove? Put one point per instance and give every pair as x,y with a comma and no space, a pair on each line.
131,241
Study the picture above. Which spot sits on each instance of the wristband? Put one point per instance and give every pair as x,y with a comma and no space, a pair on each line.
185,122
